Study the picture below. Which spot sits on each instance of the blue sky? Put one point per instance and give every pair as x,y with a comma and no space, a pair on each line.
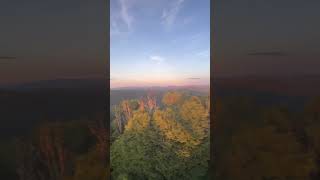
159,42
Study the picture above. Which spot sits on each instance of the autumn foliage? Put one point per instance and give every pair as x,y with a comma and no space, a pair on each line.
172,137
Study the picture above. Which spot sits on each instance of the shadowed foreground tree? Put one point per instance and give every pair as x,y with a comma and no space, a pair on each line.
44,159
90,166
29,165
312,130
53,151
99,129
270,142
264,153
64,151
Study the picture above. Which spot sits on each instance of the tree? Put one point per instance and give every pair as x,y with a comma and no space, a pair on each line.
131,156
313,135
139,121
196,116
265,153
90,166
53,150
172,130
171,98
123,112
158,143
99,130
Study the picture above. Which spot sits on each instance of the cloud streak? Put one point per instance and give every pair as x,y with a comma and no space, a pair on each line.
169,15
157,59
114,28
124,13
121,20
204,53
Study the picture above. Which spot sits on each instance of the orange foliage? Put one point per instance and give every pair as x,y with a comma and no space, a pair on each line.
171,98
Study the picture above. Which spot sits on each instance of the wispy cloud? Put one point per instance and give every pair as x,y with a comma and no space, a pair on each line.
114,28
204,53
194,78
169,15
157,59
125,16
121,19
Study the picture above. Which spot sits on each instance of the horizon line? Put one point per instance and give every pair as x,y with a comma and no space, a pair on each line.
160,86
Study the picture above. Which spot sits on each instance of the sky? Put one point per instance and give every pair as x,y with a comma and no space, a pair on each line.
159,43
45,39
266,38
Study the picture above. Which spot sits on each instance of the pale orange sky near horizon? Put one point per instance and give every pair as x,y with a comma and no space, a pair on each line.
164,82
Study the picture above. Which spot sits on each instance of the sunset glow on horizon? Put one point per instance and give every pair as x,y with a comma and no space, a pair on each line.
157,82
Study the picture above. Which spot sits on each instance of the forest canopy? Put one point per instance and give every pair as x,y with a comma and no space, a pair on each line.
166,140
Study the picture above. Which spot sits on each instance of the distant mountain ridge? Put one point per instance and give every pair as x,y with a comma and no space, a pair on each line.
308,85
189,87
59,84
304,85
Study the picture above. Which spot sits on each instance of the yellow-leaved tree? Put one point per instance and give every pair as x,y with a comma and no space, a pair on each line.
195,115
139,121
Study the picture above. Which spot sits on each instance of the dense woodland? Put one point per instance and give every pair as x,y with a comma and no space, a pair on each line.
161,140
57,151
255,136
53,134
166,136
266,141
